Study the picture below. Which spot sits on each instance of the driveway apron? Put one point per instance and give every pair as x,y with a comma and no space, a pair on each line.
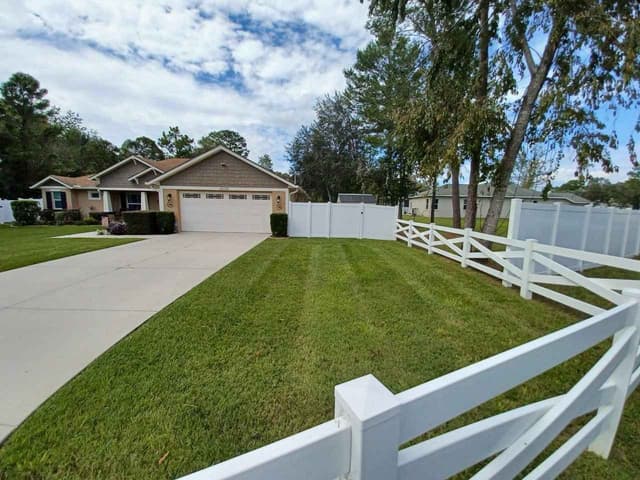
56,317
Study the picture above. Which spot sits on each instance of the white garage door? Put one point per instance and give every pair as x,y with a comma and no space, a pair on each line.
225,212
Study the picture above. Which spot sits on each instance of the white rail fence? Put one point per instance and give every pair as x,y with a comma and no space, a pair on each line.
363,441
519,263
341,220
607,230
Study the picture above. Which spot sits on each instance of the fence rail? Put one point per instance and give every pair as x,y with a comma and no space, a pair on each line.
518,263
371,423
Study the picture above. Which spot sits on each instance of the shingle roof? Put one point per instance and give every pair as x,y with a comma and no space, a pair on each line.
167,164
79,182
485,190
356,198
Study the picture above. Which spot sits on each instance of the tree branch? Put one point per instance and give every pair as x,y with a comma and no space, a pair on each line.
524,44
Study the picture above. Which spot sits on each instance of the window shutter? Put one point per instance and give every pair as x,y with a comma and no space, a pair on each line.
63,197
49,200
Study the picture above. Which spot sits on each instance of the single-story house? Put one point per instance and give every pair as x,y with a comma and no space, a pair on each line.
420,203
356,198
217,191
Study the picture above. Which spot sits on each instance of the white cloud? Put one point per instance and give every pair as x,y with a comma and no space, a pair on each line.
131,68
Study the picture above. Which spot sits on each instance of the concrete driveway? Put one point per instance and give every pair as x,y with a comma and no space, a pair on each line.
56,317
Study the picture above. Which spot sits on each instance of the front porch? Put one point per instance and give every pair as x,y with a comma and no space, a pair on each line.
117,201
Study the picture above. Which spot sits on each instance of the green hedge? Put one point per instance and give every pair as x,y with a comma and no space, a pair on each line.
149,222
48,216
25,212
140,223
165,222
279,224
68,217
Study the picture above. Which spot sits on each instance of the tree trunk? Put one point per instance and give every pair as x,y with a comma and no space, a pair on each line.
433,198
505,168
455,194
481,94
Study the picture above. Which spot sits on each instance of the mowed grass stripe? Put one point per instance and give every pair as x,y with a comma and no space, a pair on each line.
253,353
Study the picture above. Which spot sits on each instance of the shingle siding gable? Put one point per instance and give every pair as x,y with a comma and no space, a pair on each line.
211,173
118,178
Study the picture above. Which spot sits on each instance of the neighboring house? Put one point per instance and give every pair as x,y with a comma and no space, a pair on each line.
218,191
356,198
420,204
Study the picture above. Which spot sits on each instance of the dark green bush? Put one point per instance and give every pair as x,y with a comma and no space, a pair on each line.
279,224
91,221
48,216
165,222
25,212
140,222
68,217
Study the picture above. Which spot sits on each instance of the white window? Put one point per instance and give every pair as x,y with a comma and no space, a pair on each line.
58,200
426,203
262,196
464,204
435,204
215,196
190,195
237,196
94,195
134,201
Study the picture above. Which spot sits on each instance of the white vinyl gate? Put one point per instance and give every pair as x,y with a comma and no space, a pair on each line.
243,212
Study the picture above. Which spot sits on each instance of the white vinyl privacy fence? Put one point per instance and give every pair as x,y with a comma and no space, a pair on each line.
608,230
6,213
371,423
341,220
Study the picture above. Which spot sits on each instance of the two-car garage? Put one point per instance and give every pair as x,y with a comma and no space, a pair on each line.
221,191
216,211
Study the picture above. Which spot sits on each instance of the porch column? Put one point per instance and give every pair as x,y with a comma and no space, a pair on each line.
144,204
106,201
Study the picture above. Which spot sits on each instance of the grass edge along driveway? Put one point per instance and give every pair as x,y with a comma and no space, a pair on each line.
22,246
252,355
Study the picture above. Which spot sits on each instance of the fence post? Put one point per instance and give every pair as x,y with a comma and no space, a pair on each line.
607,238
329,220
527,264
430,237
623,253
373,412
309,219
466,247
409,233
362,206
585,233
554,229
515,210
620,378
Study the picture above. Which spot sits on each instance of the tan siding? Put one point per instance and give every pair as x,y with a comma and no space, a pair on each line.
118,177
172,205
212,173
81,201
278,206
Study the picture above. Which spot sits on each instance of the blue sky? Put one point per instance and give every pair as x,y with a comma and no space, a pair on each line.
133,68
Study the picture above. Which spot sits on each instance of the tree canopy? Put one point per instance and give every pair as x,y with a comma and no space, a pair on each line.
227,138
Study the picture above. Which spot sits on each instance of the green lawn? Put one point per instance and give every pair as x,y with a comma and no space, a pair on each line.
21,246
252,355
503,223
